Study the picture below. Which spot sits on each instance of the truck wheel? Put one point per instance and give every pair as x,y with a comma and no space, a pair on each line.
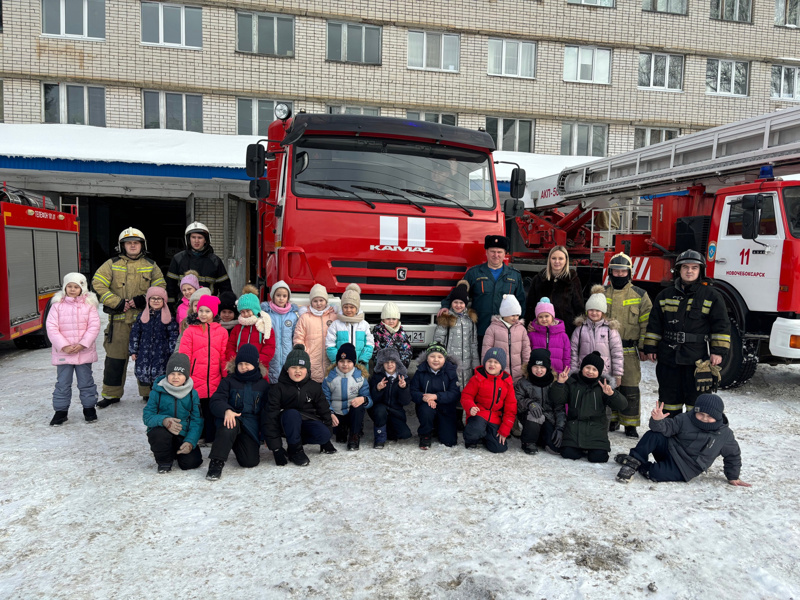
740,364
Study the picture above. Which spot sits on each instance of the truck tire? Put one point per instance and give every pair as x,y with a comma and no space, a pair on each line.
740,364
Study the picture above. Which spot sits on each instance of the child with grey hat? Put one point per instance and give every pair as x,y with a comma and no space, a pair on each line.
391,392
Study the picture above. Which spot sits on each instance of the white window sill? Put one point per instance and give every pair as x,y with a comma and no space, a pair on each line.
175,46
512,76
658,89
724,95
606,83
75,38
451,71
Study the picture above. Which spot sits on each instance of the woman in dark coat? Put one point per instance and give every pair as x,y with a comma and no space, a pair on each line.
561,285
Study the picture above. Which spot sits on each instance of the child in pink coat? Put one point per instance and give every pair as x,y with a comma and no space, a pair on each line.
594,333
507,331
72,326
548,333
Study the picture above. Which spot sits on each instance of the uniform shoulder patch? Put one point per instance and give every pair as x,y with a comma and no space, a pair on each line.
638,290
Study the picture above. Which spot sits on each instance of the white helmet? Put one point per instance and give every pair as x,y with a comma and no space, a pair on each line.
131,234
196,227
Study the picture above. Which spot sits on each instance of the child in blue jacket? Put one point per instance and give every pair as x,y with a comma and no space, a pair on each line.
350,327
391,392
347,390
435,391
173,419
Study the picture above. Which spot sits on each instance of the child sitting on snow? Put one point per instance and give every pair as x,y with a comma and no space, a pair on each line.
153,338
389,333
435,392
685,446
346,389
390,391
536,409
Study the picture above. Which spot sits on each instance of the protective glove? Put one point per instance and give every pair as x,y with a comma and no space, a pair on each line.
534,410
139,302
558,437
706,376
280,457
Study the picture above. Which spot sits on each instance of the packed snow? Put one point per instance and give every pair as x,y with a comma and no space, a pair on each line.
84,514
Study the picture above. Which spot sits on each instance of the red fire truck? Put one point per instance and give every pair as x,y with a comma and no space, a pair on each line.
38,246
400,207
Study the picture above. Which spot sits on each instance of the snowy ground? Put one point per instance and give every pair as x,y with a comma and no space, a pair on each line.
83,514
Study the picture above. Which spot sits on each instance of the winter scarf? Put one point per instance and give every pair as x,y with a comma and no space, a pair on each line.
179,391
278,309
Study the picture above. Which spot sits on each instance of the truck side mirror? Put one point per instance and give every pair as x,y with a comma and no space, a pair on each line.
254,162
514,208
751,215
259,188
517,183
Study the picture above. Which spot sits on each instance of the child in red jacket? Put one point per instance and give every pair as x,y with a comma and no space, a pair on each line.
490,404
254,327
204,342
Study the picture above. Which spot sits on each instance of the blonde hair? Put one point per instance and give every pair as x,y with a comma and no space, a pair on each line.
565,272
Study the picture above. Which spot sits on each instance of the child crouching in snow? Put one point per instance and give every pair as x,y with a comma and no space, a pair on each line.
347,390
72,326
173,419
297,410
390,392
536,409
435,391
685,446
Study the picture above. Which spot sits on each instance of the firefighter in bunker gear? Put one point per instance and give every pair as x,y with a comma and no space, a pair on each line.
121,284
689,322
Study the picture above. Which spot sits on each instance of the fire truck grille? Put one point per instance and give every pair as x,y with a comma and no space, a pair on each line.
401,274
352,264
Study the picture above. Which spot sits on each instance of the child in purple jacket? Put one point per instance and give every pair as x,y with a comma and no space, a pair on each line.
548,333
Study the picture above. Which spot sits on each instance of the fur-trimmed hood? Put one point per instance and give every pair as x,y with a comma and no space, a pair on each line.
610,323
231,367
449,319
88,297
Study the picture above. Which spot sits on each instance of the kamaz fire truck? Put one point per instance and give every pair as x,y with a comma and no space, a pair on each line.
38,246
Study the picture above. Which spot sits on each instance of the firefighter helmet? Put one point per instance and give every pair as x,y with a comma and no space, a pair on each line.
690,257
131,234
196,227
620,261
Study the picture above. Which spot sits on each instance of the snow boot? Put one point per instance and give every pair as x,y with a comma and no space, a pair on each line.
629,467
380,438
631,432
424,442
297,456
90,414
215,469
470,446
164,468
59,418
107,402
327,448
613,425
530,449
353,443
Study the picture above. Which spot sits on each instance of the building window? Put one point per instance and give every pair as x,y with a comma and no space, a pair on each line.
74,104
348,42
787,12
660,71
512,59
265,34
515,135
253,116
647,136
605,3
785,82
433,51
726,77
168,110
583,139
431,117
675,7
172,25
587,64
74,18
370,111
731,10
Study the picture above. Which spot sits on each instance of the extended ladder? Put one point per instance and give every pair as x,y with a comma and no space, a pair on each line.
707,157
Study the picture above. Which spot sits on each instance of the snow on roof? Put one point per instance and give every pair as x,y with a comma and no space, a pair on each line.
536,165
107,144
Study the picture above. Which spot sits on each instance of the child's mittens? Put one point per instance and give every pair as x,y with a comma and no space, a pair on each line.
280,457
558,437
535,413
185,448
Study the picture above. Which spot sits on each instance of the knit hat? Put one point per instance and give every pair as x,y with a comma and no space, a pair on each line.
227,301
346,351
247,353
211,303
178,363
545,306
460,292
496,353
77,279
352,295
597,301
390,311
318,291
278,285
157,292
199,293
496,241
595,360
298,357
711,404
540,357
510,306
436,348
248,302
190,277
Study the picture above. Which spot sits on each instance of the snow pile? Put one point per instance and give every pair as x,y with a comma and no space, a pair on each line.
84,514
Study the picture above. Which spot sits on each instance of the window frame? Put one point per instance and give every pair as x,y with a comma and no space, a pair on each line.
425,34
62,23
594,50
781,10
653,3
254,31
795,97
344,25
501,132
574,137
721,8
161,43
162,110
254,112
63,103
421,116
504,58
731,94
669,58
648,131
595,4
350,107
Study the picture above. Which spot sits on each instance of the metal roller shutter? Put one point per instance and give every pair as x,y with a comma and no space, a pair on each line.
67,253
22,298
45,246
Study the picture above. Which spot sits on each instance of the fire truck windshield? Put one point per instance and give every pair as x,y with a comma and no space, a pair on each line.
375,170
791,203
